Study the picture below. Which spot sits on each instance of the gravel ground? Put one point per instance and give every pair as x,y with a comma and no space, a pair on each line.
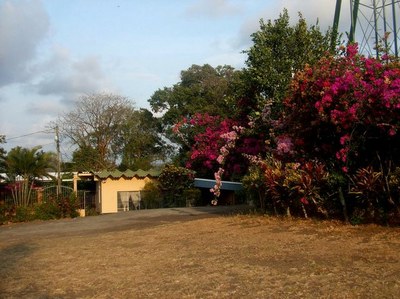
211,252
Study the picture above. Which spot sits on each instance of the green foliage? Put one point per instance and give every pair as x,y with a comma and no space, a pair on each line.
29,164
107,129
24,213
201,90
375,195
176,178
52,208
255,184
2,155
192,196
68,205
174,181
85,158
7,212
291,188
151,196
280,50
48,210
140,142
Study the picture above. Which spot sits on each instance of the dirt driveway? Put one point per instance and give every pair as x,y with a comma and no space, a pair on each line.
214,252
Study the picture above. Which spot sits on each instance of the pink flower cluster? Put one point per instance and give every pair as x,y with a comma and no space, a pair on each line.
344,98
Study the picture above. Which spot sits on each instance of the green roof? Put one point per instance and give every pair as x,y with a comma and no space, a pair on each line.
116,174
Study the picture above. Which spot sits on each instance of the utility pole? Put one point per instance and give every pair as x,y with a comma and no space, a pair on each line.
57,139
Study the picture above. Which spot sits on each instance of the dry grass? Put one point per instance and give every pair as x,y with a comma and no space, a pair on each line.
217,257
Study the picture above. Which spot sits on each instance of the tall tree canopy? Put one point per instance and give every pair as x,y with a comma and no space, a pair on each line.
202,89
93,125
279,51
140,141
107,130
256,93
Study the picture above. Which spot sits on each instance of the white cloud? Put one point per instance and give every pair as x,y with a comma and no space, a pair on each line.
50,107
213,8
23,26
68,77
315,10
312,10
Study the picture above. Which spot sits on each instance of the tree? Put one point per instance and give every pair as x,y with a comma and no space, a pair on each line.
202,89
94,125
278,52
2,155
28,164
140,141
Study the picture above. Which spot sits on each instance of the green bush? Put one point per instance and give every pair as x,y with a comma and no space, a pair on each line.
24,213
6,213
192,196
68,205
47,211
174,181
151,196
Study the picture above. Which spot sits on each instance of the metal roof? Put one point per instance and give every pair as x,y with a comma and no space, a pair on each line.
116,174
226,185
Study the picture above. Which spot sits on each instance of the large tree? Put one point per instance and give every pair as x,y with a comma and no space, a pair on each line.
140,141
280,50
94,126
109,133
202,89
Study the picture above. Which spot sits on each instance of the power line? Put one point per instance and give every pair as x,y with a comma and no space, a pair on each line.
29,134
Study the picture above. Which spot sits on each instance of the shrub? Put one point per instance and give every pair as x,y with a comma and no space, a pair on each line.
151,196
192,197
7,211
47,210
173,181
24,213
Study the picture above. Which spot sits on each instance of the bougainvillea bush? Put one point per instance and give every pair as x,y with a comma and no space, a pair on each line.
345,112
215,141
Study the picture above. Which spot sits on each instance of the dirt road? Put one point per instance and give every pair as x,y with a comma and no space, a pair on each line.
110,222
197,253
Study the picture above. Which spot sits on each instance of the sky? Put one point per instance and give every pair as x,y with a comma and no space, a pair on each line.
53,51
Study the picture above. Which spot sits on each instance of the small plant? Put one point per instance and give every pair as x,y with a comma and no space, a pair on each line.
368,189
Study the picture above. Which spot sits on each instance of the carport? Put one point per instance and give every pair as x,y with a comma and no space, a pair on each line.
228,190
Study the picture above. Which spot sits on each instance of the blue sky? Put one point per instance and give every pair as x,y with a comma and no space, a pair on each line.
53,51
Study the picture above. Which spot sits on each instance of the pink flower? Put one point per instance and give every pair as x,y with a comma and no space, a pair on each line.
284,145
304,201
344,139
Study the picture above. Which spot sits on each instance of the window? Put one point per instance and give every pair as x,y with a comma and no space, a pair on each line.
128,200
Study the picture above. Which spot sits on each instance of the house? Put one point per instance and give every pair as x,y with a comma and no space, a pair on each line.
118,191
